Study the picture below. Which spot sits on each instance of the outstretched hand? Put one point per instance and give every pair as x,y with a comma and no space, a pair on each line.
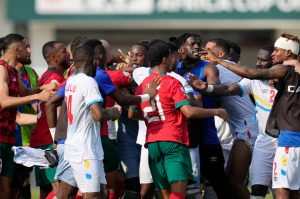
196,83
124,57
152,88
209,56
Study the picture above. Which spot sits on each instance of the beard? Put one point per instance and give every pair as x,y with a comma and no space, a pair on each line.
26,61
65,64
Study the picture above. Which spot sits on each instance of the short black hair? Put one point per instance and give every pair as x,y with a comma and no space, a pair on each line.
157,52
154,41
76,41
173,47
93,43
143,43
179,41
83,54
49,49
221,43
6,41
270,48
234,46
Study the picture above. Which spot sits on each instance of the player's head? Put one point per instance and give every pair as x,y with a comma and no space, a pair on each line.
189,46
286,47
138,55
84,60
100,52
219,47
159,54
109,54
264,58
55,54
235,52
16,46
76,41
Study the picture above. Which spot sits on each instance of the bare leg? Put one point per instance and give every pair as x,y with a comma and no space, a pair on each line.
147,190
282,193
112,181
165,193
91,195
237,168
5,187
66,191
44,191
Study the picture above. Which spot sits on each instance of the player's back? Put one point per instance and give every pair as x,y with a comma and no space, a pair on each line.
163,117
83,137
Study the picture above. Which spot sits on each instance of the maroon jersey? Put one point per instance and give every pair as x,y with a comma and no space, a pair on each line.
8,115
163,118
40,135
119,79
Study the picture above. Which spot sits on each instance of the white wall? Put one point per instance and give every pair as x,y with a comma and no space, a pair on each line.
38,34
6,26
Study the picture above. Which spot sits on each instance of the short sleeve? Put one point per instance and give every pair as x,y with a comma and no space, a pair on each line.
104,82
120,78
139,74
245,86
91,93
61,91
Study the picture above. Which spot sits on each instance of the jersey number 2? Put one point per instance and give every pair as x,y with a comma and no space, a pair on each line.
272,96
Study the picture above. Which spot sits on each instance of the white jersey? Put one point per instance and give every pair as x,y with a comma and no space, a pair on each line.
264,96
241,110
139,74
83,136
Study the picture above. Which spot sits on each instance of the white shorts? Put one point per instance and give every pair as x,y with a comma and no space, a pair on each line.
226,153
248,136
144,170
89,174
195,158
286,168
261,168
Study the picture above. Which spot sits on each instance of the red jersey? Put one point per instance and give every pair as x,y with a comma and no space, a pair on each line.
164,120
8,115
40,135
119,79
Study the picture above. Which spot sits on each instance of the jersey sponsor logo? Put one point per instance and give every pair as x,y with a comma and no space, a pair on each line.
293,89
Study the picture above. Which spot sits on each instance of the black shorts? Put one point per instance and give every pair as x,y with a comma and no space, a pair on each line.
212,168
